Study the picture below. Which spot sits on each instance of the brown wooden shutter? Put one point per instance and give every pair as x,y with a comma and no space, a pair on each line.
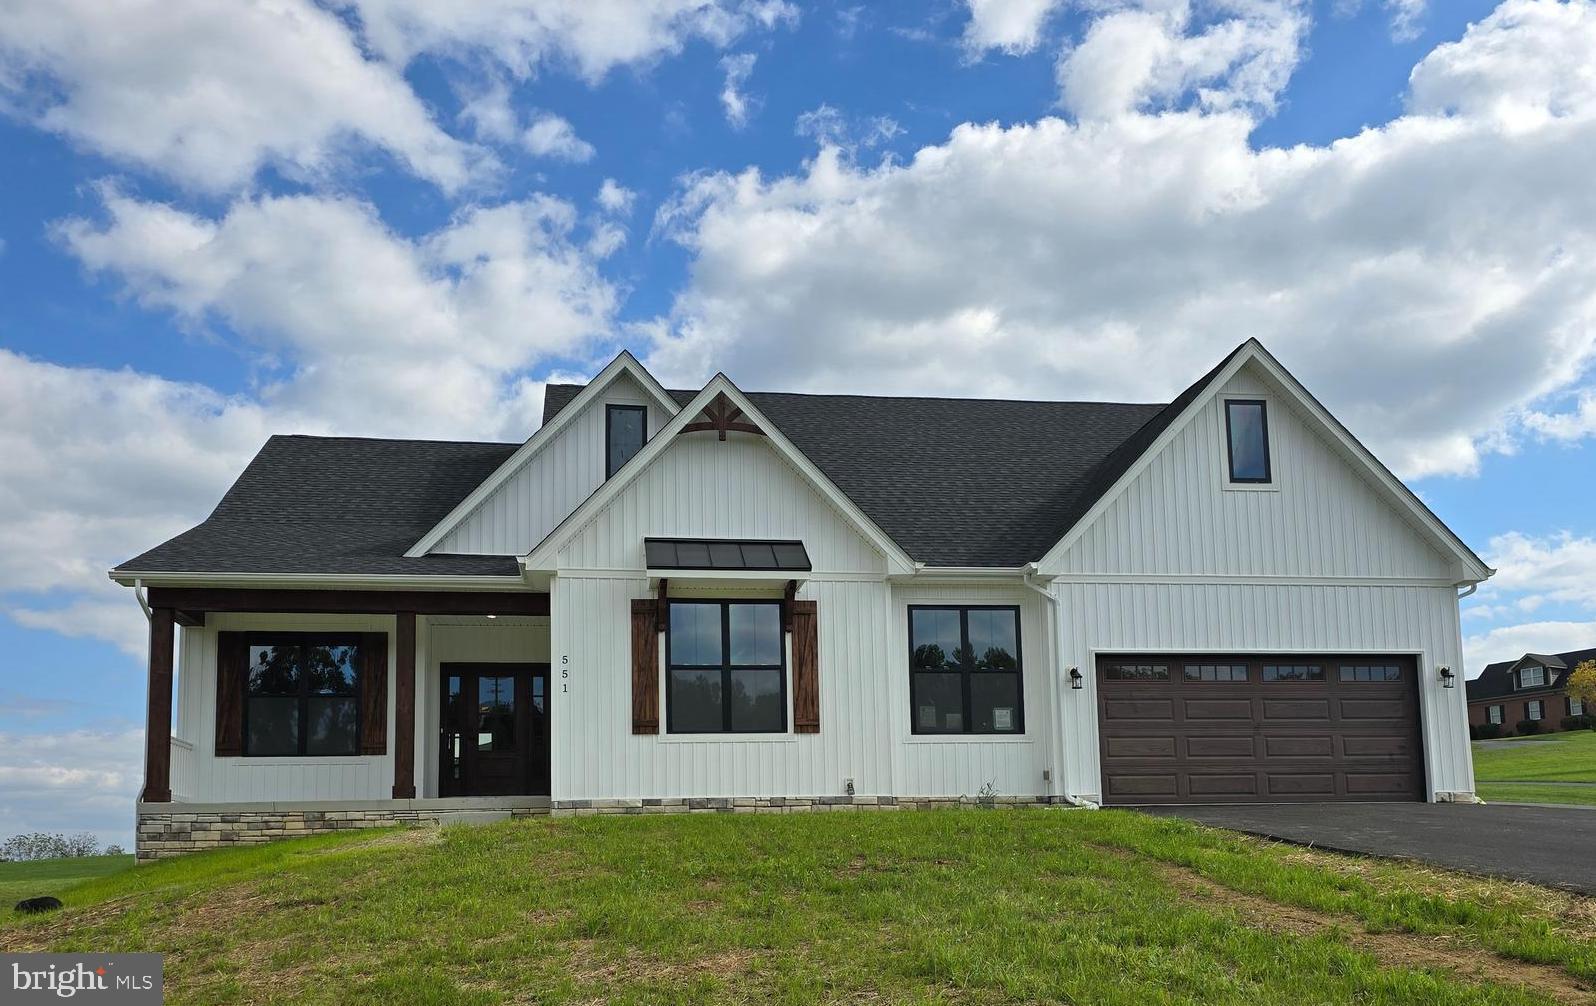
232,667
645,667
805,668
374,693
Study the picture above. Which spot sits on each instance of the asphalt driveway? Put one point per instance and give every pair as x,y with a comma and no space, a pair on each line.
1550,846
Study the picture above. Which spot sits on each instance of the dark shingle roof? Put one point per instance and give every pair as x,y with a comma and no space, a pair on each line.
958,481
1495,681
336,505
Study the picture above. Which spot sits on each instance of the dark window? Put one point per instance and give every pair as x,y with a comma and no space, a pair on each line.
1216,672
1136,672
1371,672
1293,672
625,429
964,670
726,667
1247,430
302,696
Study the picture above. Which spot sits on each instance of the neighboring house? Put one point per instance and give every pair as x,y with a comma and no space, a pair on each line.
729,600
1533,687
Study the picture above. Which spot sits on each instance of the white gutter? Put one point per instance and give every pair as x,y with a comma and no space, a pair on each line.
1471,589
142,598
332,581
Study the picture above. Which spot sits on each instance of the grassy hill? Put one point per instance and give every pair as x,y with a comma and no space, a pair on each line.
956,906
46,876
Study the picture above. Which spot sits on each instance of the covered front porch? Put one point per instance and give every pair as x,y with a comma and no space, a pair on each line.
300,711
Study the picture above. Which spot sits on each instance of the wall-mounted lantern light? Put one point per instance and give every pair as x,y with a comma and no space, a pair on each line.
1447,677
1075,678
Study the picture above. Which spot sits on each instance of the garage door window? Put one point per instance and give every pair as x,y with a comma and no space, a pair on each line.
1293,672
964,665
1371,672
1216,672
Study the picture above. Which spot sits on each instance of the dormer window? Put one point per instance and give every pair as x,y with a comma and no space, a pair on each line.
1247,435
625,430
1532,676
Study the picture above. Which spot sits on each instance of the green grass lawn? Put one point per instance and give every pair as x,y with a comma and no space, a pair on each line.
933,906
52,876
1516,772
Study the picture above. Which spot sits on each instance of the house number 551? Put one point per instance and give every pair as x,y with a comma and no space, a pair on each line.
565,672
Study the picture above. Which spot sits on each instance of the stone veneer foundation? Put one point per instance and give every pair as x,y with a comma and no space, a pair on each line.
172,829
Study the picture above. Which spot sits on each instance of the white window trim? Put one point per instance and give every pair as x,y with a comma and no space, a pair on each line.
1494,714
1529,667
1572,704
1535,710
1222,400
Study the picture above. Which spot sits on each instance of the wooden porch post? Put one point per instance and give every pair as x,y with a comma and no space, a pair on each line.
158,719
404,706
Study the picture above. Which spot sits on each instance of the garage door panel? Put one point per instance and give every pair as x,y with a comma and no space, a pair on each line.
1139,709
1221,747
1289,784
1296,709
1141,747
1208,734
1222,784
1218,709
1161,784
1300,746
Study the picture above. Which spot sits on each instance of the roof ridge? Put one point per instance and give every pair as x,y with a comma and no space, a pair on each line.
908,398
393,440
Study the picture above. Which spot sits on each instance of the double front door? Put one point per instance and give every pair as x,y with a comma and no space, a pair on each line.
494,730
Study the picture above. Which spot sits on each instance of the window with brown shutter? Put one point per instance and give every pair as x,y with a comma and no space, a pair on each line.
805,668
645,667
232,665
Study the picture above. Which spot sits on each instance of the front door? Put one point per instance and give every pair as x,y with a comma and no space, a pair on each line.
493,730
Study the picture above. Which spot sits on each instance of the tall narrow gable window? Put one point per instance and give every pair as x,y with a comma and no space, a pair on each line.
625,429
1247,436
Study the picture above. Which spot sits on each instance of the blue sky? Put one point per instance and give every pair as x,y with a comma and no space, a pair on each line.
213,215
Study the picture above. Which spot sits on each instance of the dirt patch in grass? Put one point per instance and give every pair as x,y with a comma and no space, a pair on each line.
587,965
1397,949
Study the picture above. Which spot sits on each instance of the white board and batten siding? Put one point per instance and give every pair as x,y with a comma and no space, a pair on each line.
1319,561
551,483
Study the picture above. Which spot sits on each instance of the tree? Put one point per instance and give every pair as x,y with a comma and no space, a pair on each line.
1582,683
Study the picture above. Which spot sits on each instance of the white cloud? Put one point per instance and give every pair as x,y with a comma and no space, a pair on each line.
1119,257
1407,17
1151,53
1513,641
551,136
1559,567
81,780
829,127
207,93
613,197
592,37
738,106
1014,26
1566,426
319,287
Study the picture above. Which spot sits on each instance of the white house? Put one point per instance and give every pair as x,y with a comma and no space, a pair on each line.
718,599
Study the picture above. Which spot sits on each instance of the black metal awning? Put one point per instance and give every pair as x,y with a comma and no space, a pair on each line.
725,554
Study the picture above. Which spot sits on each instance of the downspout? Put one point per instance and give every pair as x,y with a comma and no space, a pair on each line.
139,595
1054,736
1471,589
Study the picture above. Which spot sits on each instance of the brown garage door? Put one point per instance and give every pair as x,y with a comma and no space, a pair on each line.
1212,728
